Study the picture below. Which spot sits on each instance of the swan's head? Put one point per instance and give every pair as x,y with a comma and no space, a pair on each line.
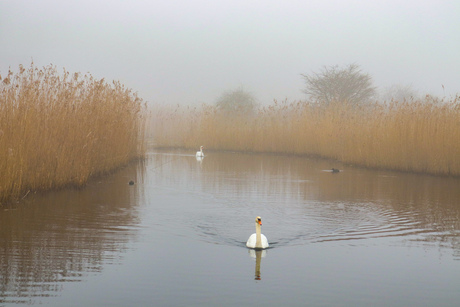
259,220
201,147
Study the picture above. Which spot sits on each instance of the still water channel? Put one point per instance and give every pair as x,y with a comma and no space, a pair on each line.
177,236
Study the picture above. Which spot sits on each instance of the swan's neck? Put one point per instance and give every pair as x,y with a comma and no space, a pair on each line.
258,236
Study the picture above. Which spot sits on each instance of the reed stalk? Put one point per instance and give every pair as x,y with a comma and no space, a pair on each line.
61,129
417,136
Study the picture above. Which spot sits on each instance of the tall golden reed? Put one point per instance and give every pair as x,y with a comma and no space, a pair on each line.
419,136
60,129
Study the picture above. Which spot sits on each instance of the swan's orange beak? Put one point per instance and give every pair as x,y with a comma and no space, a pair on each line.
260,222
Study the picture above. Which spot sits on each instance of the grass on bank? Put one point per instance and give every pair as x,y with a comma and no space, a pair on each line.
418,136
60,129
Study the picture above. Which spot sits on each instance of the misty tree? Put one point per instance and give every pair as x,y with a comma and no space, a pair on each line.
340,85
237,102
398,92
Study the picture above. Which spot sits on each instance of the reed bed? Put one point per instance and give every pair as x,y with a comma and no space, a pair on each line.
417,136
60,129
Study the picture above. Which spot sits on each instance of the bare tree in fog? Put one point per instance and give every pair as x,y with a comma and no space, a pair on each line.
237,102
398,92
339,85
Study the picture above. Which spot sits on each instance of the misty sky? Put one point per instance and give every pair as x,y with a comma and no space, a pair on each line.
184,52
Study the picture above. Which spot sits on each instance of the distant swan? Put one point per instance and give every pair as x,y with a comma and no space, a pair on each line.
257,240
200,153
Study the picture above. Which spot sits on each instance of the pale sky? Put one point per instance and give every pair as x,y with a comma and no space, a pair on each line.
189,52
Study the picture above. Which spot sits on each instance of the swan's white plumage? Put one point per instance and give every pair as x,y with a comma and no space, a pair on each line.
200,153
252,241
257,240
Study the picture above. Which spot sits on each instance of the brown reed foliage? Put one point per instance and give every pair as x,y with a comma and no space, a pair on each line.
60,129
417,136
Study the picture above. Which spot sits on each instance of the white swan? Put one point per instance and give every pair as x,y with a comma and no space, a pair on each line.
257,240
200,153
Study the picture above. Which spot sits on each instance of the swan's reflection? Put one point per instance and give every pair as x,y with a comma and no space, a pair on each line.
258,254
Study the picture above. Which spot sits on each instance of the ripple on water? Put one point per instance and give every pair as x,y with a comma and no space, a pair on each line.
230,222
365,221
320,223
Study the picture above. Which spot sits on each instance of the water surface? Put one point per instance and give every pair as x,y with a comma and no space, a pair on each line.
177,236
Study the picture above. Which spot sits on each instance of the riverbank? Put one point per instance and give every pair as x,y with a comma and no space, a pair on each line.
417,136
60,129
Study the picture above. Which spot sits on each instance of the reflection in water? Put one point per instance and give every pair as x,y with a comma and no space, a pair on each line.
258,255
308,205
336,238
64,236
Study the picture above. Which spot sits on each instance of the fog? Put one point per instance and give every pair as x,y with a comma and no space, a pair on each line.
189,52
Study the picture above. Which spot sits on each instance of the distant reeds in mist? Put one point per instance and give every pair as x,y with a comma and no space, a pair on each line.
418,136
60,129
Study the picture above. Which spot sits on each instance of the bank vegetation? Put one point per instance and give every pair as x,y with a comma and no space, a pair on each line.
59,129
417,136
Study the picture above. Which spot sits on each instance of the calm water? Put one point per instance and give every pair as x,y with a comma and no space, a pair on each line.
177,237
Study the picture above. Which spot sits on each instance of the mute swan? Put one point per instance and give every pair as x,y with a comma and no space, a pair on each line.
200,153
257,240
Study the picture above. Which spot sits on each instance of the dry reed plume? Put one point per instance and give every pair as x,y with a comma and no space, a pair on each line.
60,129
419,136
